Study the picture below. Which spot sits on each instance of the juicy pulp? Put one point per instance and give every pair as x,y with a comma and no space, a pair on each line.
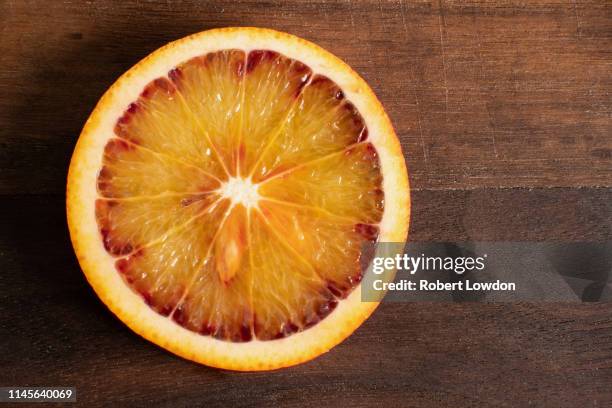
236,194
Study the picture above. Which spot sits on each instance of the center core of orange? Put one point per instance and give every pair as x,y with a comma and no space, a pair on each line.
241,191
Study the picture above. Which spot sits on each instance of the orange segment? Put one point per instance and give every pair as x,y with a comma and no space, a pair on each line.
161,273
216,304
272,86
130,170
220,210
331,245
288,294
130,224
160,122
211,92
321,122
347,183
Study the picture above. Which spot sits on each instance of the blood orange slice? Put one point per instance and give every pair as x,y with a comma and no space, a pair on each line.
221,191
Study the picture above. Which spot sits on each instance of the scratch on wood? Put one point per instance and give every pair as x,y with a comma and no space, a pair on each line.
382,13
352,18
416,100
402,12
442,22
483,78
416,97
492,133
578,29
325,12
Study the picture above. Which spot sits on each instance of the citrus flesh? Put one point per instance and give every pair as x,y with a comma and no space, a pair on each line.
233,198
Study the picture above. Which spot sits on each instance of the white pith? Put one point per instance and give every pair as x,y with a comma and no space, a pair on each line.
241,191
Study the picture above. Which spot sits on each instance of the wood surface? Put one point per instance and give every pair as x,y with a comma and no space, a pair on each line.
504,114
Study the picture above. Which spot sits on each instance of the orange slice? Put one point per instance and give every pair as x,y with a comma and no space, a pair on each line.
221,191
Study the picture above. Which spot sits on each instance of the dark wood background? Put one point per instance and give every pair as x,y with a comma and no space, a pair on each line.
504,113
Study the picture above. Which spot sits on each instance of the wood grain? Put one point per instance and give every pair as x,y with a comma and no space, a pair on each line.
55,330
504,114
481,94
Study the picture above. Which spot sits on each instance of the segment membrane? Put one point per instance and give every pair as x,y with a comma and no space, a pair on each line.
194,252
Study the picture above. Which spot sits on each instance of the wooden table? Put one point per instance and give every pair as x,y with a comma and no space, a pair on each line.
504,113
